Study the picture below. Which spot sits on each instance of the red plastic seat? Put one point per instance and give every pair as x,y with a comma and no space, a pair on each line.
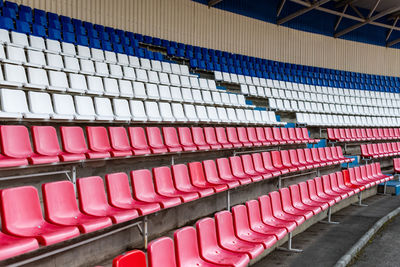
348,183
186,139
187,249
259,166
309,200
346,186
61,208
299,204
155,140
16,148
252,135
277,135
225,172
306,136
316,158
119,141
210,249
333,177
339,152
198,178
171,139
322,156
22,217
73,141
243,230
211,138
268,217
289,207
93,201
293,136
135,258
285,136
261,136
229,241
268,164
212,176
182,181
233,138
143,190
278,212
120,195
199,139
327,187
258,225
354,178
301,157
270,136
364,176
277,162
161,252
286,162
45,143
99,142
331,134
248,167
310,158
138,140
242,136
319,187
165,185
329,155
222,138
11,246
238,170
315,196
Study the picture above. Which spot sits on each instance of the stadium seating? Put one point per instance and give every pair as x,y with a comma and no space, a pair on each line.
130,258
362,134
380,150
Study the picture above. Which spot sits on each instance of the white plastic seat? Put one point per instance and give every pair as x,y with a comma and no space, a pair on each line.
53,46
121,109
64,108
166,112
212,85
190,112
248,80
110,57
185,82
202,113
123,59
216,98
134,61
87,67
174,80
203,84
152,91
58,81
95,85
179,114
101,69
4,36
233,99
225,99
244,89
137,110
125,88
164,79
207,98
176,94
256,81
223,116
139,91
129,73
54,62
234,78
37,43
252,90
175,68
241,100
166,67
194,83
37,78
71,64
40,104
218,76
153,77
231,115
226,77
257,116
77,83
141,75
212,114
184,70
197,96
111,87
152,111
84,108
187,95
36,59
68,49
156,65
145,63
165,93
240,115
83,52
13,103
103,108
116,71
260,91
15,55
249,115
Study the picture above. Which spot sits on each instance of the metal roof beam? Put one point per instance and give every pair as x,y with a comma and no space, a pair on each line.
391,30
367,21
302,11
213,2
280,8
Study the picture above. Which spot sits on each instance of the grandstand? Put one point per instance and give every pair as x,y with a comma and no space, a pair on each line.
192,132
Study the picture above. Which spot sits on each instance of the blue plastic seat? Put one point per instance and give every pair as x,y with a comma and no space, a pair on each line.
54,34
40,17
38,30
6,23
82,40
69,37
9,12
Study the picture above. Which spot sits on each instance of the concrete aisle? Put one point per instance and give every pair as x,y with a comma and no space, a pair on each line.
324,244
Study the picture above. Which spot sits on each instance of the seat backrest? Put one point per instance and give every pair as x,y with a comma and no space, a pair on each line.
154,137
73,139
276,202
232,135
142,184
84,106
269,135
185,137
98,138
59,200
135,258
265,207
253,211
207,234
224,225
197,175
186,246
261,134
210,170
20,208
242,135
161,252
277,159
45,140
171,137
236,165
92,195
119,138
163,180
181,176
221,135
138,139
285,197
15,141
240,218
198,136
210,136
277,133
118,188
14,101
247,161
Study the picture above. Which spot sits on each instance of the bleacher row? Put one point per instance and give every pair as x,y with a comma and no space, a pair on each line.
325,120
63,220
380,150
362,134
16,147
234,238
